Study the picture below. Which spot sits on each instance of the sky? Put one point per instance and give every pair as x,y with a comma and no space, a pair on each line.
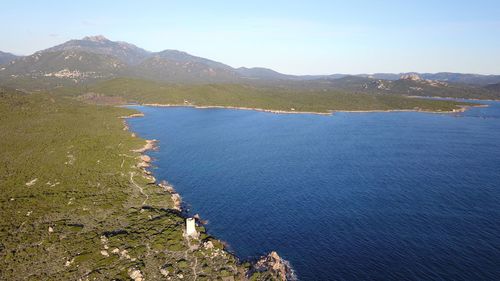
293,37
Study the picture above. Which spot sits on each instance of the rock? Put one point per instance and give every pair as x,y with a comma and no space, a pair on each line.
411,76
69,262
176,198
135,274
146,158
104,253
31,182
278,266
164,272
150,144
170,189
124,254
104,239
208,245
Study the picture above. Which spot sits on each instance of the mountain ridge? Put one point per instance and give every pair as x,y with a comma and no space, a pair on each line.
134,55
96,58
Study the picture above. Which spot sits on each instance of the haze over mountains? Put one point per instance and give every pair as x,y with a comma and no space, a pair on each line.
96,58
6,57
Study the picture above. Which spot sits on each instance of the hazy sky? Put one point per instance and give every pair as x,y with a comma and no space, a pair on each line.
296,37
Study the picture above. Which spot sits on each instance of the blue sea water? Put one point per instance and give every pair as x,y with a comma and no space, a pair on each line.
353,196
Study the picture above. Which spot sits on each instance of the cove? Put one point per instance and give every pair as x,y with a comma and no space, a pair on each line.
352,196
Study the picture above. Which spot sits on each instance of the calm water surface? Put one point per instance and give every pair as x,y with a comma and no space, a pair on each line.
353,196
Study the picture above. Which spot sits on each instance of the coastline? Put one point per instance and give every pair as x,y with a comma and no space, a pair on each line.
236,108
271,262
331,112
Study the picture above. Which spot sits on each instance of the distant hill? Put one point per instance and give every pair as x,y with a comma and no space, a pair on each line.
262,73
6,57
475,79
408,84
462,78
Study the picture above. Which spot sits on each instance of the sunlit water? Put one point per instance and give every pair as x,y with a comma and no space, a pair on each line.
353,196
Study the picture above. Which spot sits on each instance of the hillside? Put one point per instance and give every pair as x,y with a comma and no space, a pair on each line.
78,204
64,66
268,98
494,87
174,66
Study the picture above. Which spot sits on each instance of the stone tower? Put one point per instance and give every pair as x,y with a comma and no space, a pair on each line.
191,227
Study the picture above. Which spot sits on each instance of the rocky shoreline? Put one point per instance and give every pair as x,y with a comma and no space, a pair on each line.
271,263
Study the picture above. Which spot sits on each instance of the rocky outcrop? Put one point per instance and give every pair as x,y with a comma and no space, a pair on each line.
150,144
277,266
145,162
411,76
133,115
176,198
415,77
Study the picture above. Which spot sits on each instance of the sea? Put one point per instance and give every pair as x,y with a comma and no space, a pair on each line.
351,196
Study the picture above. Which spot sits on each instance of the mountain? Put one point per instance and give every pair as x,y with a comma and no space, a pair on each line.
95,58
177,66
6,57
126,52
183,57
184,71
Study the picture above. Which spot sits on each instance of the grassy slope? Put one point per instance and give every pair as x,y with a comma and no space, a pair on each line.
81,159
143,91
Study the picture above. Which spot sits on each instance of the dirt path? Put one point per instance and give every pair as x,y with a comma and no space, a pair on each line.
139,187
193,267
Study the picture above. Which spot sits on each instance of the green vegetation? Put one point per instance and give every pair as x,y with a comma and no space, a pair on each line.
75,205
416,88
270,98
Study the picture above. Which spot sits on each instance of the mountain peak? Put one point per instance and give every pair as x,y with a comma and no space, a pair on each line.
96,38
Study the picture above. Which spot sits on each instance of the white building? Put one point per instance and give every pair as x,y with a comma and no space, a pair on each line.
191,227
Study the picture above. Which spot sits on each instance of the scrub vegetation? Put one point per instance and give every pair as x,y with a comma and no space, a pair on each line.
269,98
75,204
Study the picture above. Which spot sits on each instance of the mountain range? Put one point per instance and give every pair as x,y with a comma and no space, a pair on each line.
96,58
